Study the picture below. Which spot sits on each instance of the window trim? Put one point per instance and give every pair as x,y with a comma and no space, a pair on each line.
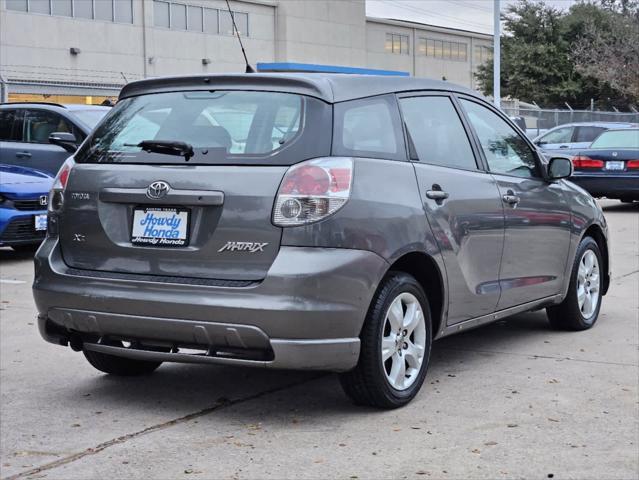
541,171
399,37
74,17
219,11
479,163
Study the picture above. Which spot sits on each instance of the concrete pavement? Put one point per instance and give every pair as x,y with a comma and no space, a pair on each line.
510,400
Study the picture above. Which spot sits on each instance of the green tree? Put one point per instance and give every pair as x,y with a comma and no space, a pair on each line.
538,61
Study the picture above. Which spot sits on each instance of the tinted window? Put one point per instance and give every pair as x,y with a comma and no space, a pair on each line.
83,9
161,14
40,6
62,7
368,128
561,135
39,124
178,16
10,125
210,20
218,125
436,132
123,11
195,18
20,5
505,150
588,134
90,117
617,139
104,10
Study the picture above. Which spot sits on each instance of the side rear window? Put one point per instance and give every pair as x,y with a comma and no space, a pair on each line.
436,132
10,125
588,134
369,127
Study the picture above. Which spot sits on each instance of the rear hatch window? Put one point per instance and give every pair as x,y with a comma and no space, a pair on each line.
221,127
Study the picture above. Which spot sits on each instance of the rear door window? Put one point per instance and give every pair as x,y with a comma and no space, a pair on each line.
587,134
10,125
221,126
436,132
369,128
561,135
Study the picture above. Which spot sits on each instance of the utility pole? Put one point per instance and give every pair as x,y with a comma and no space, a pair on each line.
497,55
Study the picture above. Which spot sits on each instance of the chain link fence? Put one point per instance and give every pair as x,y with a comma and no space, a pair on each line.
539,120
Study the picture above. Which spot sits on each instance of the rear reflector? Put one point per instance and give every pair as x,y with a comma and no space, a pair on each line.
313,190
580,162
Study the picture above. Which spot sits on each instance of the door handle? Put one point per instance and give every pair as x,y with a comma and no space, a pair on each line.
437,195
510,198
23,155
563,146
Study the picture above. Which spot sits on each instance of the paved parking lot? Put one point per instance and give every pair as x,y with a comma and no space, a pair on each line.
510,400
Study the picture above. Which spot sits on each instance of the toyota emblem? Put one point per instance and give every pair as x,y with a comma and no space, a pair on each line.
157,190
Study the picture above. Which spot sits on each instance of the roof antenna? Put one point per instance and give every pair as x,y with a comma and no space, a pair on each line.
249,69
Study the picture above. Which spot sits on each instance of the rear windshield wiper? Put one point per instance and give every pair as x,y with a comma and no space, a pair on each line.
167,147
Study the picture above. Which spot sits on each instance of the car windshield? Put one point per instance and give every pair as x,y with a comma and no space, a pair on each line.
216,124
91,117
628,138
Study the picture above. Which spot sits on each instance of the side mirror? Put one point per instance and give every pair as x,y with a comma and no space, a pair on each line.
559,167
65,140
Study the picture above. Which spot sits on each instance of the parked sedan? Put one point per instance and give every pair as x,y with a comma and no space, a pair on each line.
610,167
25,129
23,206
572,136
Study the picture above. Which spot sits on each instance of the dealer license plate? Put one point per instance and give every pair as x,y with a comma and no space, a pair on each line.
160,227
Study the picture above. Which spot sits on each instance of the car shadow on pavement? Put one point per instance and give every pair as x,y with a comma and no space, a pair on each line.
176,390
621,207
7,254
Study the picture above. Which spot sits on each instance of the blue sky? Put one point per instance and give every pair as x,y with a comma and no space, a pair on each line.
474,15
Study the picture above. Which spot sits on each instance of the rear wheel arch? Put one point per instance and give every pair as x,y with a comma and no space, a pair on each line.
426,271
595,232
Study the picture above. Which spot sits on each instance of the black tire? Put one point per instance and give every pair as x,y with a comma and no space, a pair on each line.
567,315
120,366
29,248
367,383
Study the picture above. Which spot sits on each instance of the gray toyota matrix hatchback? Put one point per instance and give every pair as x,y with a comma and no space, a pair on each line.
309,221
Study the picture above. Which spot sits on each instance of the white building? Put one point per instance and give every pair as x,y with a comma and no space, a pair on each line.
85,50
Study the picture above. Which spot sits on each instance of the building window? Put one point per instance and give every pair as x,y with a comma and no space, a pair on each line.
161,14
180,16
226,23
120,11
483,54
194,19
211,21
397,43
443,49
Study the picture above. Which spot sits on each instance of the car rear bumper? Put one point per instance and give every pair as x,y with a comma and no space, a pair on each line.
17,227
306,314
612,186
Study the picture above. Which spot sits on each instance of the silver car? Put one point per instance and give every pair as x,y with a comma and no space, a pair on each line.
575,136
309,221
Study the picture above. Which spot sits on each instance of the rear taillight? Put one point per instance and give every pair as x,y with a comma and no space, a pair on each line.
313,190
586,162
632,164
56,195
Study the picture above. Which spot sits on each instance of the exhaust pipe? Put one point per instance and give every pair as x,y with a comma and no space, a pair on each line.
76,343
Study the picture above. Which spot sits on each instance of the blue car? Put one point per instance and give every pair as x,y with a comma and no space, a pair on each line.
24,193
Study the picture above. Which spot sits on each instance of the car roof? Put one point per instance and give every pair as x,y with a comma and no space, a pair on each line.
54,106
330,88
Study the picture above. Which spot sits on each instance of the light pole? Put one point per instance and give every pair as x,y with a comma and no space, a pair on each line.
496,55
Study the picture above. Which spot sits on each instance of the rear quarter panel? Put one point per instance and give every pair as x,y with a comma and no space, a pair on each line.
384,215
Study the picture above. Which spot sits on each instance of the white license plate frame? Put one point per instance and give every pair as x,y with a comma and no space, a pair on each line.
165,227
